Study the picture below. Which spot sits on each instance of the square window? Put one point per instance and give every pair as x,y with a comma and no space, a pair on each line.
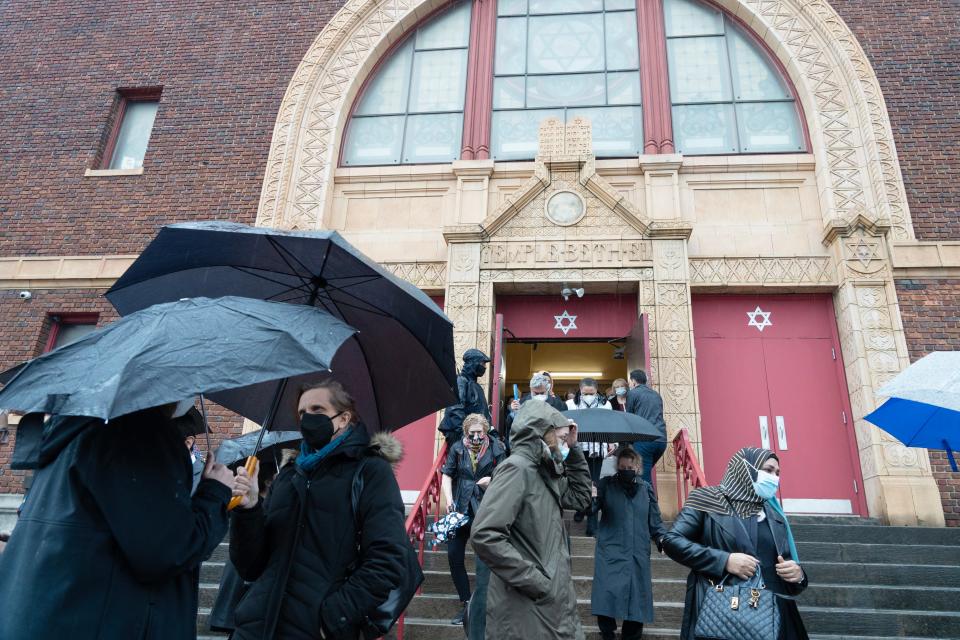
131,134
65,329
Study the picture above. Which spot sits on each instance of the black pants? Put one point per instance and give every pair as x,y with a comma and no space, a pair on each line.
631,630
595,464
456,551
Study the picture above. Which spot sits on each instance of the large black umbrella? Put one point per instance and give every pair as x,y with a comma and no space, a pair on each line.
400,367
605,425
174,351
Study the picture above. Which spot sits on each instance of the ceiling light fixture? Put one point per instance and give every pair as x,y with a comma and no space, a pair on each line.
570,375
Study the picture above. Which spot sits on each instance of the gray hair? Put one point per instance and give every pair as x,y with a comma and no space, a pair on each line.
539,380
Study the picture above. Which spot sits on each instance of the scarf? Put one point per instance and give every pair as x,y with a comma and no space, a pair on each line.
309,457
476,455
735,495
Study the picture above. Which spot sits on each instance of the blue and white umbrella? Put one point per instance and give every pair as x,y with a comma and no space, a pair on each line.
923,409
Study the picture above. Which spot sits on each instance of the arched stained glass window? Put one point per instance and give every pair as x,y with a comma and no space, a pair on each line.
726,96
412,110
566,58
535,59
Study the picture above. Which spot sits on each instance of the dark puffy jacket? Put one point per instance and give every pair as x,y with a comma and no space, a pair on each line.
109,543
459,467
300,545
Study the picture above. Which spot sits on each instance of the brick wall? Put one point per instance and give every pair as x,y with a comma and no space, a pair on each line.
913,49
931,320
24,329
224,67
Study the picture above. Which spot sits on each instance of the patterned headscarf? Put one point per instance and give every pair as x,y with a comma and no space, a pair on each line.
734,496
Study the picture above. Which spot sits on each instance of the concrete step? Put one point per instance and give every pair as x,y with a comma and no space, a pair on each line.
429,629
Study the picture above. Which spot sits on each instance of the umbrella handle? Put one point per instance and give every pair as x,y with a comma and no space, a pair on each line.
250,466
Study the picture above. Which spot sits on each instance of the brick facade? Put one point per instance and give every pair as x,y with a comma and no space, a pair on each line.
223,66
931,318
913,49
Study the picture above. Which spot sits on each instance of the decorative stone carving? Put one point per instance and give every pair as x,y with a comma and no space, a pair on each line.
802,270
424,275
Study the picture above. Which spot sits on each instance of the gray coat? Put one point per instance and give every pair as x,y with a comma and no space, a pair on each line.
519,534
622,586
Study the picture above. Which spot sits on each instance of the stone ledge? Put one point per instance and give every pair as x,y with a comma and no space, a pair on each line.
926,260
60,272
112,173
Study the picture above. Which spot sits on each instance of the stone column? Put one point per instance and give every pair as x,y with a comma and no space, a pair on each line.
897,481
672,367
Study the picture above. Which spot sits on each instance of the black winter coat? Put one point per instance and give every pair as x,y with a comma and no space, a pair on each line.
466,493
109,543
299,545
703,541
647,403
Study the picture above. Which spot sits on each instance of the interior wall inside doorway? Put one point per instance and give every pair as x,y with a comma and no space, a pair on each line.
567,361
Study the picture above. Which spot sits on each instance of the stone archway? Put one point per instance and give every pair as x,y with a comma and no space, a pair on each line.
850,128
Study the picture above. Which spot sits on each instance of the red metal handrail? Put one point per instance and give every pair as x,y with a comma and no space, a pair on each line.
417,519
688,467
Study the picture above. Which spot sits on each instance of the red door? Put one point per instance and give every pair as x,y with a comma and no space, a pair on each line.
769,375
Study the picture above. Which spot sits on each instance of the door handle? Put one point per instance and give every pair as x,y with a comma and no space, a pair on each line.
781,434
764,432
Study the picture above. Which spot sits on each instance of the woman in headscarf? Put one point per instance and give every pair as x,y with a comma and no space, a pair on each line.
466,474
738,528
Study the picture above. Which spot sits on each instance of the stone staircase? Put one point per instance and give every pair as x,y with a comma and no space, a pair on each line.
868,582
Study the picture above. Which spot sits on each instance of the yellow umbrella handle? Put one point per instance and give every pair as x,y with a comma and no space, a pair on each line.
250,467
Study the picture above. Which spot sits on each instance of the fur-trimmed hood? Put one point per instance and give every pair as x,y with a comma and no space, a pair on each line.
387,446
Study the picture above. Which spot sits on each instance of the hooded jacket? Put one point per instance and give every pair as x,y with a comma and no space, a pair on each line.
519,533
299,546
109,542
471,395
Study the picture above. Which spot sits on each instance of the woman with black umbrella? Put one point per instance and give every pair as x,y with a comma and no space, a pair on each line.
315,574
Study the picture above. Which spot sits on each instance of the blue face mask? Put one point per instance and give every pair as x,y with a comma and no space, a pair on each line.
621,391
766,485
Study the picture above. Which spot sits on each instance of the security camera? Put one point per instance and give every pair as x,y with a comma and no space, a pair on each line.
25,295
566,292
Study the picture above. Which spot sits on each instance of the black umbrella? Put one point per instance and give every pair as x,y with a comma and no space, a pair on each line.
235,450
605,425
400,367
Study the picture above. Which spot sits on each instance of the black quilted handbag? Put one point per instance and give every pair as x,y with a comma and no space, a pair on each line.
744,611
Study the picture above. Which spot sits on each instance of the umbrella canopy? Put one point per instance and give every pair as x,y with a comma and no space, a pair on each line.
174,351
399,368
235,450
924,405
603,425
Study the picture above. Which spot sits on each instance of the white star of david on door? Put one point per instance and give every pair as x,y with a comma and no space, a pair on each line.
759,324
565,322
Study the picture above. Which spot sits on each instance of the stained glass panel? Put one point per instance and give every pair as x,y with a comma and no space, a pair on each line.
433,138
508,93
622,48
565,90
754,77
450,29
511,48
564,6
559,44
691,18
374,140
514,134
698,70
387,92
617,131
439,81
768,126
704,129
623,88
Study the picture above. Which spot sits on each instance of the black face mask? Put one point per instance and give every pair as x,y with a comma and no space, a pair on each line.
627,477
317,429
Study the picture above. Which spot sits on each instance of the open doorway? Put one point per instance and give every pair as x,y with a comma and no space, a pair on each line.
568,362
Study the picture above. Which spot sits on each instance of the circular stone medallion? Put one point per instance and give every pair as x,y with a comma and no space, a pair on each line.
565,208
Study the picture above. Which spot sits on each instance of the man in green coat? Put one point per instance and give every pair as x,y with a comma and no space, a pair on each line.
518,531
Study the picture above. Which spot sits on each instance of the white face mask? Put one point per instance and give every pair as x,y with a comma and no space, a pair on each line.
542,397
766,484
585,399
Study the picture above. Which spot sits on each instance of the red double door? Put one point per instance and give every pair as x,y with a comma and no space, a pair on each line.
770,375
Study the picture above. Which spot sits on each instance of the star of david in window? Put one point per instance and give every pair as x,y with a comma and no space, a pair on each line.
565,322
756,321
